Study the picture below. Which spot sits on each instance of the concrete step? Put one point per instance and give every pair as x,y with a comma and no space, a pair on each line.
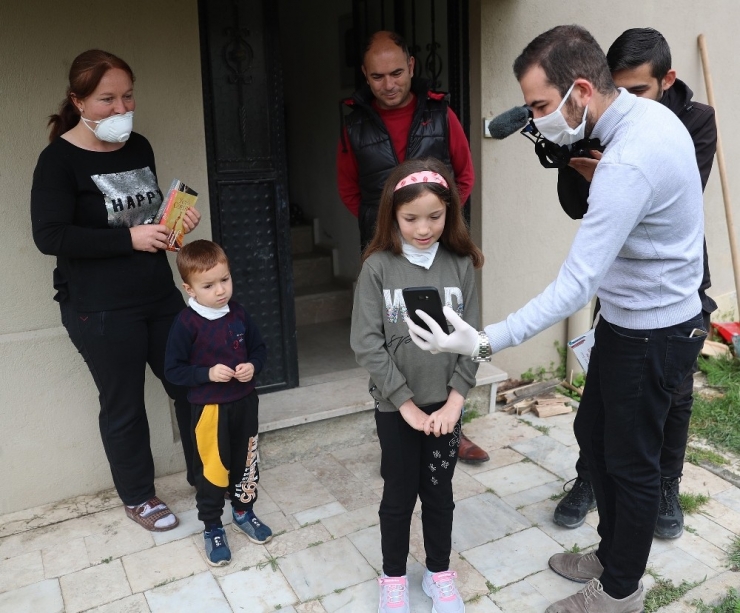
301,238
298,424
322,303
312,269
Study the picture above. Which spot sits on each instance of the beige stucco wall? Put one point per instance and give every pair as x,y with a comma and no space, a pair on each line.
524,233
50,446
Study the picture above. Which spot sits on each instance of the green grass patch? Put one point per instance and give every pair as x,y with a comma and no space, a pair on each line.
691,503
721,371
735,555
730,604
664,593
696,456
715,419
469,415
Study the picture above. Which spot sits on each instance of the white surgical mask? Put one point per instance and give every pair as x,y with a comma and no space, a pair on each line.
113,129
555,128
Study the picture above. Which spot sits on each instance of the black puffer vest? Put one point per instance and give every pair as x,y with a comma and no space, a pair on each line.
372,146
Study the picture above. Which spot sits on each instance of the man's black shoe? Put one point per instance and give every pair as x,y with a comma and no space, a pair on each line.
571,510
670,515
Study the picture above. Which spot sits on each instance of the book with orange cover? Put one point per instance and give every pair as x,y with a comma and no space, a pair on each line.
178,200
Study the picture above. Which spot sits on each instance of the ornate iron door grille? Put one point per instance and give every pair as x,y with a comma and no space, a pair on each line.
247,170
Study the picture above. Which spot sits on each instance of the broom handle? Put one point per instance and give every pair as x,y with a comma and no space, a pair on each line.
722,169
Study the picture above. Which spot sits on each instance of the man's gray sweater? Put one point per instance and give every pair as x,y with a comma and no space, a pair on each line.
639,246
398,369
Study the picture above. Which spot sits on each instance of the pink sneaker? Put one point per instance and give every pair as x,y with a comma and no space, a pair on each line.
394,597
440,587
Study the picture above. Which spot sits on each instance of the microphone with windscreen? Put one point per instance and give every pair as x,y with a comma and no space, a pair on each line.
507,123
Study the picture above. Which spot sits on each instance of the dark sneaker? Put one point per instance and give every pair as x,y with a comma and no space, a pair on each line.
217,547
247,523
670,515
571,510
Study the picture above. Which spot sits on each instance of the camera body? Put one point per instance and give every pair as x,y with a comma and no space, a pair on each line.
558,156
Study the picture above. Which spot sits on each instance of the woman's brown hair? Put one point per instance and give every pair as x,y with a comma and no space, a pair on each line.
84,76
456,234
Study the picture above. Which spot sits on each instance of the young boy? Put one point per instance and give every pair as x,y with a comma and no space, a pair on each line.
216,350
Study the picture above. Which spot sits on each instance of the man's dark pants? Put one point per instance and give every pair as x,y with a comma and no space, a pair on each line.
632,377
675,433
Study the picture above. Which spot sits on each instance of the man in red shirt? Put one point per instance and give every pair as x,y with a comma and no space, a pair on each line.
393,119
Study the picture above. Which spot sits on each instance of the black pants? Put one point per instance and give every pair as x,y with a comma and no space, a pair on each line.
675,431
117,346
225,438
632,377
413,464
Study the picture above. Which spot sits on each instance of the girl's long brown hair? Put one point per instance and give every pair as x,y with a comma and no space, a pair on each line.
84,76
456,234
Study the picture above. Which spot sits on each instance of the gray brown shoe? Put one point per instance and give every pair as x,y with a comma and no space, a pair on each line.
593,599
580,567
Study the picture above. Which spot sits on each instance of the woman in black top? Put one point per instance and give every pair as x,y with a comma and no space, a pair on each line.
93,201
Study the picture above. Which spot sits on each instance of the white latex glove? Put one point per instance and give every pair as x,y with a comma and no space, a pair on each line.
464,340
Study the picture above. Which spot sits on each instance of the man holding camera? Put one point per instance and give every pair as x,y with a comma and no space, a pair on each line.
639,249
640,61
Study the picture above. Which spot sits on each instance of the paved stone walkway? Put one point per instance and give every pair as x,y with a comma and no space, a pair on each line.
85,555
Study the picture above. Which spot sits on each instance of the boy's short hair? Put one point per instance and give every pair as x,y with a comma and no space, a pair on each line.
639,46
199,256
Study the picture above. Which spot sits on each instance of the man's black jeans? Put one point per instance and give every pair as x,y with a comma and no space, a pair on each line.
675,432
632,376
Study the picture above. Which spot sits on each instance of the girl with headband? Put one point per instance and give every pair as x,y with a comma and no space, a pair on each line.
421,239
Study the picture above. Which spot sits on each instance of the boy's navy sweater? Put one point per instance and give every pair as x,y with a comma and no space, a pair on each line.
196,344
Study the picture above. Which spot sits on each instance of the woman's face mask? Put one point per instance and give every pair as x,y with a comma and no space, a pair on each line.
555,128
113,129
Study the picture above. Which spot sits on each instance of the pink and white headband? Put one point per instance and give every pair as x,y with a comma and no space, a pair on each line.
424,176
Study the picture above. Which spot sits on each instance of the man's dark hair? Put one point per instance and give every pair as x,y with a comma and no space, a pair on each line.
566,53
638,46
393,36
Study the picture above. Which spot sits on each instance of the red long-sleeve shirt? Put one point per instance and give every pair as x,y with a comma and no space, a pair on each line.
398,124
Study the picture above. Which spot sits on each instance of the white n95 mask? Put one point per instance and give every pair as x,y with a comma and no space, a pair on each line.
555,128
113,129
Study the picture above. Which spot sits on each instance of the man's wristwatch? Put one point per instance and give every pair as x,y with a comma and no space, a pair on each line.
483,351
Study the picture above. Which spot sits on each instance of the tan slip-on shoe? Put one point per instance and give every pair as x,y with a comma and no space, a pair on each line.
593,599
580,567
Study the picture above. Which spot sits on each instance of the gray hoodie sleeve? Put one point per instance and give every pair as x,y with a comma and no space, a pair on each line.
367,338
463,378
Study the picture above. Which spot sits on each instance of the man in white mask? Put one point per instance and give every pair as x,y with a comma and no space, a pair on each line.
639,249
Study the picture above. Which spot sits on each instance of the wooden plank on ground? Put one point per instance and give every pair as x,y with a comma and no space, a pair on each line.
526,391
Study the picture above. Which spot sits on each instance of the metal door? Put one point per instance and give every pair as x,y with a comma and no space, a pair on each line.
243,99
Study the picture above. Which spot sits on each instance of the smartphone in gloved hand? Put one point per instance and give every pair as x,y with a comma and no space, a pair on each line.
425,299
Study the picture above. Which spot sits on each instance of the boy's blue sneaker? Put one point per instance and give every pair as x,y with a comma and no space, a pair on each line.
217,547
247,523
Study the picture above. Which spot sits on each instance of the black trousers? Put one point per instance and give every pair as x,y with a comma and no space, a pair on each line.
117,345
413,464
226,447
632,377
675,431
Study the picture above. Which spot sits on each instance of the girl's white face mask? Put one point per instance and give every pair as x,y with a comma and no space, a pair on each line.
113,129
555,128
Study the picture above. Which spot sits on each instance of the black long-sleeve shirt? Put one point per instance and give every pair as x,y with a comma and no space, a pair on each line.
82,206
